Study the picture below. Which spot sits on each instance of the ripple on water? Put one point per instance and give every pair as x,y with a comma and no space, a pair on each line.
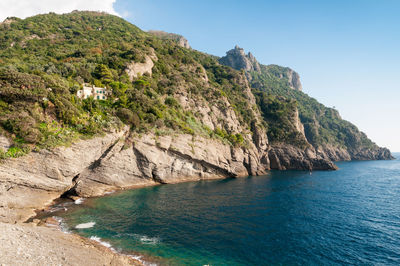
350,216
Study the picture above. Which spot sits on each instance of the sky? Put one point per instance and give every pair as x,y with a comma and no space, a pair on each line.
346,51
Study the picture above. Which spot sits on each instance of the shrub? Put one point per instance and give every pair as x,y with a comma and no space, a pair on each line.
171,102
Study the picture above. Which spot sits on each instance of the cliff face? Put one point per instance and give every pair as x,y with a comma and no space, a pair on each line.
123,160
320,127
294,80
237,59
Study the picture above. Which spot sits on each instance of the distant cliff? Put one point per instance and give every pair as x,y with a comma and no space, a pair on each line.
238,59
278,91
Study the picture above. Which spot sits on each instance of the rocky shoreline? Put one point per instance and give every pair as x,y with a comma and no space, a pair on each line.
119,160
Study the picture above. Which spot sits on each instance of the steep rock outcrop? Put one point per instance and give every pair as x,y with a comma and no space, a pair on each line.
165,159
135,69
32,181
92,167
364,154
237,59
287,157
120,160
294,79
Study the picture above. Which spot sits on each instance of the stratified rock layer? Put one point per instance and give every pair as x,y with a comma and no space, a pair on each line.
119,160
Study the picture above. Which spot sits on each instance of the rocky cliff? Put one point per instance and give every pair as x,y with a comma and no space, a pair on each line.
319,126
238,59
125,160
172,114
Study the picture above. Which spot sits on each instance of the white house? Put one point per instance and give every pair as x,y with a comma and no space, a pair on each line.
90,90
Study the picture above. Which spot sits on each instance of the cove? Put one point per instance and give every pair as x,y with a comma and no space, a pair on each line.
349,216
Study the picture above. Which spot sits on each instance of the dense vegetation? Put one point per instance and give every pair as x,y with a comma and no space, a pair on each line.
322,125
44,60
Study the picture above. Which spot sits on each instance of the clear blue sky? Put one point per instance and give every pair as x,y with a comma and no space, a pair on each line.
347,52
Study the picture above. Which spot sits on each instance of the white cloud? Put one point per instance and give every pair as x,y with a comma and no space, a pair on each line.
27,8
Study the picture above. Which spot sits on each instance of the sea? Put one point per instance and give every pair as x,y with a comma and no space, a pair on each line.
346,217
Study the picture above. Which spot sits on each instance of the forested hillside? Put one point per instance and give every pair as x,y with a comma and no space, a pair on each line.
154,85
44,60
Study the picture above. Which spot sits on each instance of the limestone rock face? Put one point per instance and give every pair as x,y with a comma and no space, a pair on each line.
135,69
294,80
32,181
237,59
341,154
184,43
368,154
121,160
5,143
287,157
297,123
166,159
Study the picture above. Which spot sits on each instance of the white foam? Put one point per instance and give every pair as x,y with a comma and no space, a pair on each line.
62,224
85,225
139,258
79,201
104,243
144,239
149,240
56,209
108,245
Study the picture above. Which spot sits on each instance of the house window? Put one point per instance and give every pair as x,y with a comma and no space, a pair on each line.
104,97
98,97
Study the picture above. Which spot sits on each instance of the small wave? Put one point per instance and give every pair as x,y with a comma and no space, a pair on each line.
108,245
79,201
142,238
63,226
149,240
104,243
57,208
85,225
139,258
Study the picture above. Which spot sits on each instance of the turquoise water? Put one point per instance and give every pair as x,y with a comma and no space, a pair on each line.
349,216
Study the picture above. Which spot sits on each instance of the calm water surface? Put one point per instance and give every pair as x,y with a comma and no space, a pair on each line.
349,216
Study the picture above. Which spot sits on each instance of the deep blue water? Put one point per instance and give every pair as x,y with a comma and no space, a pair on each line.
349,216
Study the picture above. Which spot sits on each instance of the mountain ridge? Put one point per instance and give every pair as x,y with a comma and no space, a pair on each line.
264,78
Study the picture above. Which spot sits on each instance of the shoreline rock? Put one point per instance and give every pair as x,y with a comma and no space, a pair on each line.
118,160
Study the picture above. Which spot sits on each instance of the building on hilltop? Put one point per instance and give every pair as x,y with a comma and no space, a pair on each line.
90,90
